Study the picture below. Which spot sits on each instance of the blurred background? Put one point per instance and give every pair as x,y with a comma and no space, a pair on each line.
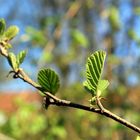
61,34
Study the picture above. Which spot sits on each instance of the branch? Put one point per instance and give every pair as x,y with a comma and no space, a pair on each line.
104,112
53,100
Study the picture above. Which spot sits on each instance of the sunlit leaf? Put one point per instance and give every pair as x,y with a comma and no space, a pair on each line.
49,80
11,32
94,68
12,60
20,57
2,26
102,85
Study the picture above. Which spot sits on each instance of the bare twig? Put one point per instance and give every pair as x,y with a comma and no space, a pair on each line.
105,112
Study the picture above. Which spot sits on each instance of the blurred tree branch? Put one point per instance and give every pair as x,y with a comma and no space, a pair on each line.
71,12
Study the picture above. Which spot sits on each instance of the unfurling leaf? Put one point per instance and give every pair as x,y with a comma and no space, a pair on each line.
93,101
15,61
20,57
87,87
102,85
2,26
12,61
94,68
48,80
11,32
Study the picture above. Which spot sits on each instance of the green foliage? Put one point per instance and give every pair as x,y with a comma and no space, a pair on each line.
17,124
7,35
27,116
29,121
49,80
94,68
15,61
20,57
2,26
11,32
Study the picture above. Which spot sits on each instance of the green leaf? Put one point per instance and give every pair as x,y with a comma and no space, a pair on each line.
138,138
11,32
12,61
20,57
2,26
102,85
49,80
87,87
94,68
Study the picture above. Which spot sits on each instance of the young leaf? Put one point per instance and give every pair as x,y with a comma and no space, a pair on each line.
12,60
93,101
102,85
2,26
11,32
87,87
20,57
49,80
94,68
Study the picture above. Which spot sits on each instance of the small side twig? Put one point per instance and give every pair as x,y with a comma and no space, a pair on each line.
99,104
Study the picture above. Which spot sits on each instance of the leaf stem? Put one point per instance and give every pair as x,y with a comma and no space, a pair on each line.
99,104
